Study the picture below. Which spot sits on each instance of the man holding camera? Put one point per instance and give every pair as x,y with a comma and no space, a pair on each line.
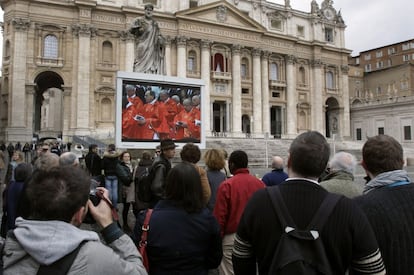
49,239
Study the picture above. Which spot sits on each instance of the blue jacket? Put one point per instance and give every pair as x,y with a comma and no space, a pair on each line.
180,243
275,177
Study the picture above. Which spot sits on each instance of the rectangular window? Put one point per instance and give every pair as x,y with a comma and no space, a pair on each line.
276,24
391,51
191,64
245,91
406,46
193,3
380,64
301,30
358,134
406,57
407,132
367,56
380,130
329,35
368,67
378,54
275,94
243,71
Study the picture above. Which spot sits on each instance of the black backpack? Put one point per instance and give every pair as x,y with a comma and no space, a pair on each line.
301,251
143,182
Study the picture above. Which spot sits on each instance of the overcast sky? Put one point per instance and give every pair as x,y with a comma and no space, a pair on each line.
370,23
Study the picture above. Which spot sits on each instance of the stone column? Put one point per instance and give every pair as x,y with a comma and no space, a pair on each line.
291,97
181,56
167,60
205,75
82,85
67,92
265,93
129,51
345,124
17,89
257,93
30,105
236,85
317,103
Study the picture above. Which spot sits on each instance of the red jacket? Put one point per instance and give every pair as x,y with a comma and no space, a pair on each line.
232,197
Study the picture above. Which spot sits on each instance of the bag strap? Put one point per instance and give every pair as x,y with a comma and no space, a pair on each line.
318,220
280,207
324,211
62,265
145,228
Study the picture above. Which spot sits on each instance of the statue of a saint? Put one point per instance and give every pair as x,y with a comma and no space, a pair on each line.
149,44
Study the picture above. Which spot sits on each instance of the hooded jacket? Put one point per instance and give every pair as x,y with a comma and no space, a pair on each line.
44,242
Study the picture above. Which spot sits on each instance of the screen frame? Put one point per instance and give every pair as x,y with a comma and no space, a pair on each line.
124,78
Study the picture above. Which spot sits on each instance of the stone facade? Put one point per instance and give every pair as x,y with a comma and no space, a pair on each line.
269,70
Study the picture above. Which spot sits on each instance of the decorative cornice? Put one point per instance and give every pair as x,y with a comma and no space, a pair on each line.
20,24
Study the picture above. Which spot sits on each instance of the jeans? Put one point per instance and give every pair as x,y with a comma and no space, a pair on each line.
111,183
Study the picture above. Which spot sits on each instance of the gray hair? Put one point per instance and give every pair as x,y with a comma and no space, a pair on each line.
68,158
343,161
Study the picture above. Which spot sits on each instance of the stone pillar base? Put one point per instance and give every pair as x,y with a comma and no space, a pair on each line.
15,134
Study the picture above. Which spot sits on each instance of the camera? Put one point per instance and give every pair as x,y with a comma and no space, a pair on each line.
95,199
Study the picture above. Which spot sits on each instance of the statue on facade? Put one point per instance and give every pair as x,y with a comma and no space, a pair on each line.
149,44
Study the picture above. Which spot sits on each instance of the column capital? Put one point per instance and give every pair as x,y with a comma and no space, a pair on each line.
236,49
20,24
290,59
84,30
344,69
206,43
265,54
257,52
316,63
181,40
168,39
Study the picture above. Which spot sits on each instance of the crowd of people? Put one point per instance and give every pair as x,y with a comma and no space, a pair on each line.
215,218
169,114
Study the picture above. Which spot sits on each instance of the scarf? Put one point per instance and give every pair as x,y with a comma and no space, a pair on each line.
385,179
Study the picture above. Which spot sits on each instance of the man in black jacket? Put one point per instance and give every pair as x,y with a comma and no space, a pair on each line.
93,163
347,236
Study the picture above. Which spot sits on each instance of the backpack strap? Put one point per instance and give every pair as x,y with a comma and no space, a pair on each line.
62,265
324,211
280,207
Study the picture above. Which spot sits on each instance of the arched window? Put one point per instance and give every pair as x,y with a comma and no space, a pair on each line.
192,61
273,74
106,109
107,52
50,46
330,80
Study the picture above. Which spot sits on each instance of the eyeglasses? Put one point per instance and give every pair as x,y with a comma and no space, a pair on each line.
158,152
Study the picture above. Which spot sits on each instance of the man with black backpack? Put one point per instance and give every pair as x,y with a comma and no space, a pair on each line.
298,227
150,184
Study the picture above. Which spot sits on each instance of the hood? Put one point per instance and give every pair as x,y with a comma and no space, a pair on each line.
48,241
112,154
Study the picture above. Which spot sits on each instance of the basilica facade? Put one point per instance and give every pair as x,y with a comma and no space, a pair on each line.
269,70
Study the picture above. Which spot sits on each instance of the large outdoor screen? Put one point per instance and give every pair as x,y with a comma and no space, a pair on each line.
150,108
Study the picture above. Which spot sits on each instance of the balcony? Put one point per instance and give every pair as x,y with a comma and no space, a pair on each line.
49,62
220,76
277,83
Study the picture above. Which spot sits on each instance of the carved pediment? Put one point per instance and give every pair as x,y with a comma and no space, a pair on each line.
221,13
